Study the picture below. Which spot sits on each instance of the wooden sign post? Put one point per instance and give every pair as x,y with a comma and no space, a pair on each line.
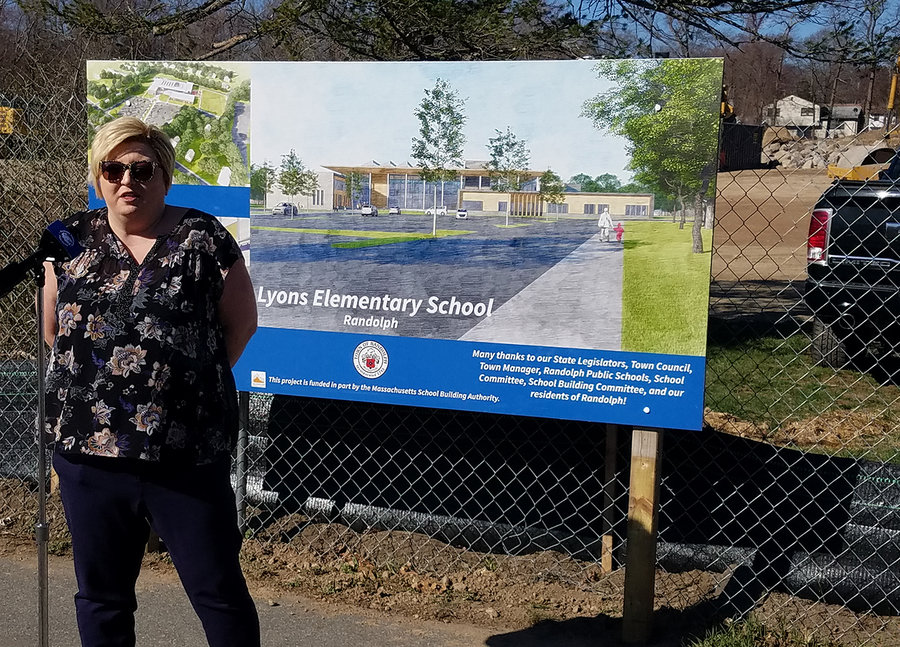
640,560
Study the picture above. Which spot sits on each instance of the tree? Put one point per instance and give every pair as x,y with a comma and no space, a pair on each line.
294,179
438,150
509,160
584,182
437,30
669,112
606,183
551,187
209,166
209,148
262,177
354,183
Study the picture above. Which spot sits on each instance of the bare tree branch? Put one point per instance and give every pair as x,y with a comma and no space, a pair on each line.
182,19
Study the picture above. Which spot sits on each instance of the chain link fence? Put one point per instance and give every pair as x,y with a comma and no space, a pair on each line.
783,509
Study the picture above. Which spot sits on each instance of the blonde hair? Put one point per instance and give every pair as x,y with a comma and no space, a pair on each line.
123,129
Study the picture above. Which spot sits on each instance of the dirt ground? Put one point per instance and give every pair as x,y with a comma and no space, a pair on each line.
762,221
499,592
417,577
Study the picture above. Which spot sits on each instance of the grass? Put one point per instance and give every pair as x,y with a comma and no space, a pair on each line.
490,564
754,634
770,379
665,291
375,242
212,101
371,238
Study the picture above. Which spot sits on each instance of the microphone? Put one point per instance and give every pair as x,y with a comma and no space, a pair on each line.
57,244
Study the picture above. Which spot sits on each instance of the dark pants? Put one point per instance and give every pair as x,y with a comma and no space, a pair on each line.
110,505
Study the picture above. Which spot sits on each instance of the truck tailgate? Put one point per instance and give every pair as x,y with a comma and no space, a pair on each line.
864,231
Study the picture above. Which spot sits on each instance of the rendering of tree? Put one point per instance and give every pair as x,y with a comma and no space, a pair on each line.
294,179
551,187
509,161
354,184
606,183
669,112
210,166
262,177
209,148
438,150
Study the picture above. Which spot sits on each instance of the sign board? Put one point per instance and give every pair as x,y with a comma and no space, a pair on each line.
454,235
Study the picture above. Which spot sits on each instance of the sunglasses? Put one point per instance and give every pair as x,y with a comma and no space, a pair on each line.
140,171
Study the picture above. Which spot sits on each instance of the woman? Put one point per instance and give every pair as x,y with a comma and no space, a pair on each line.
146,324
605,224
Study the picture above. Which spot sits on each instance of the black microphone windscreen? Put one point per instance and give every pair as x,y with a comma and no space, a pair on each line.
58,243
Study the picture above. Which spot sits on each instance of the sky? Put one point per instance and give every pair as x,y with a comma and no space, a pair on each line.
347,114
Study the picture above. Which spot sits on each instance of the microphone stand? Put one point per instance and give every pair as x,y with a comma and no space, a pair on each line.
57,243
42,526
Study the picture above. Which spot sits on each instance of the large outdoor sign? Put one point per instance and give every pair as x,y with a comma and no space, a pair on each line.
491,237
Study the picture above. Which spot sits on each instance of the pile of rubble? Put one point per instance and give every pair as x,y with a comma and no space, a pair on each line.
789,150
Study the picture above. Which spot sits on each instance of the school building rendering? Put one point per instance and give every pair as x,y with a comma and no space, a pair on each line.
401,185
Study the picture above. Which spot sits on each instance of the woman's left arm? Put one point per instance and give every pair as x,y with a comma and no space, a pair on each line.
237,310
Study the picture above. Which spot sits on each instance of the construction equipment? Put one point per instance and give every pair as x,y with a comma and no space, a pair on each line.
892,95
726,110
862,162
13,128
867,162
12,121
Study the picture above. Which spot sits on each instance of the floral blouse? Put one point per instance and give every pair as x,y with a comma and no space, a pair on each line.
139,367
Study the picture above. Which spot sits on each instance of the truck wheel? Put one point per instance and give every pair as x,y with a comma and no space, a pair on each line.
829,346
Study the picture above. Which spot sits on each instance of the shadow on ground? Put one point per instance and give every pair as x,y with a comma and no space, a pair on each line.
671,628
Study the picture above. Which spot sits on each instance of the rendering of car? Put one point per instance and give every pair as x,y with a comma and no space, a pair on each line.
394,211
462,214
369,210
284,209
440,211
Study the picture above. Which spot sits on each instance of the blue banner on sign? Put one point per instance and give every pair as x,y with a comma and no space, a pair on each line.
646,389
219,201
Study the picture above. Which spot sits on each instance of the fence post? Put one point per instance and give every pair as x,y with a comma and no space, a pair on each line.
240,468
609,497
640,558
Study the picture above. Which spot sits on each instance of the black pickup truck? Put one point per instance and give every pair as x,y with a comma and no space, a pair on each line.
853,270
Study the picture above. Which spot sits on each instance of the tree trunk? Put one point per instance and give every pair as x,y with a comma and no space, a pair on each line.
709,219
867,110
696,229
831,98
683,217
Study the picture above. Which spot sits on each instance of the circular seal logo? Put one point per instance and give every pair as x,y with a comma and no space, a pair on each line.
370,359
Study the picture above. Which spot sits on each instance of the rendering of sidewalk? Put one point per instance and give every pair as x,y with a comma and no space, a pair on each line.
579,299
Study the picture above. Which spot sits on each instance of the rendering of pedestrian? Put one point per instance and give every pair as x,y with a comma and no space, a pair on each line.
145,325
605,225
620,232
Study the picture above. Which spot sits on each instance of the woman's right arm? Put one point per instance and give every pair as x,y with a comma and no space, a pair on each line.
51,323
